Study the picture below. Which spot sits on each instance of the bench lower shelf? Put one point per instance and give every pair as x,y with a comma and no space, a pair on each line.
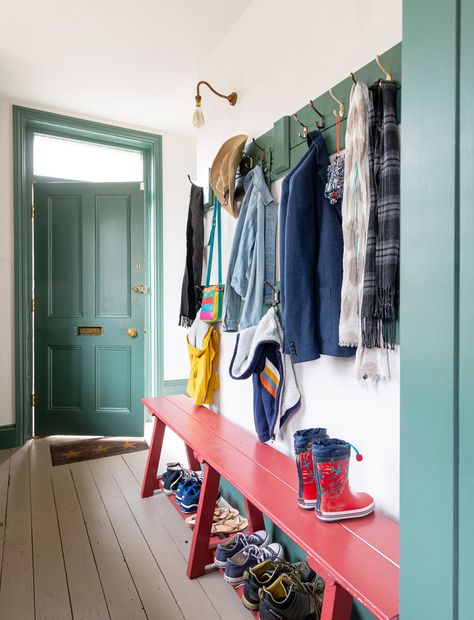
213,542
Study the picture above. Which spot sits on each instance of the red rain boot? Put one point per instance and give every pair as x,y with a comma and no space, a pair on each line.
303,441
335,499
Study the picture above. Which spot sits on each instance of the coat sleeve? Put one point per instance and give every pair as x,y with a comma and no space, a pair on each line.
300,247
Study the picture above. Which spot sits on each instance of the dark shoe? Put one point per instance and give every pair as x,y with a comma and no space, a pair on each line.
288,598
250,556
237,543
171,478
266,573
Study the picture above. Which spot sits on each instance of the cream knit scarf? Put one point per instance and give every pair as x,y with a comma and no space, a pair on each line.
355,214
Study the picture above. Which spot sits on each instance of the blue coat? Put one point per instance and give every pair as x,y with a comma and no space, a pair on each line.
311,249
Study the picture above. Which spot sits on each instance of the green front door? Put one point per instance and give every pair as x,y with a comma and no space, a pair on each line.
89,274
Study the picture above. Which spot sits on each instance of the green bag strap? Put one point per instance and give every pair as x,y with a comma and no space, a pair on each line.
216,220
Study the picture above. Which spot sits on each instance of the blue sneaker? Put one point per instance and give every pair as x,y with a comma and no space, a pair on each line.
237,543
189,478
190,498
249,557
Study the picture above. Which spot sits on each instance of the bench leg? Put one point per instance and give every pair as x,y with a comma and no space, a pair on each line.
199,553
337,602
254,516
154,453
193,463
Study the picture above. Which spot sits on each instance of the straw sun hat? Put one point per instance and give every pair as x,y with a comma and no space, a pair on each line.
223,171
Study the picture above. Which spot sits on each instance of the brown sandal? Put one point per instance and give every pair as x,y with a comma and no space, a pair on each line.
230,526
220,514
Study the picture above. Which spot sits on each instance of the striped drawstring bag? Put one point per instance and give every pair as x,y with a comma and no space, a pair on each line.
213,295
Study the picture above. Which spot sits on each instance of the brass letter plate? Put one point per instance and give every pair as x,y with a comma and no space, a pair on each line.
89,331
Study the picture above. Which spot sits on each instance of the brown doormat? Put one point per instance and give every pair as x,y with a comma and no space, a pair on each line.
87,449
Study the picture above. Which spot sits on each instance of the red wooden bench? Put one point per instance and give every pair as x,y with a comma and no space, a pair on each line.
357,558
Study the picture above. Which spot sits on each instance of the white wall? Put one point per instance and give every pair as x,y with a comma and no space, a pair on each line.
179,159
296,52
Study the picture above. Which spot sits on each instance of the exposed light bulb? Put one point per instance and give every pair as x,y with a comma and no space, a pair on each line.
198,117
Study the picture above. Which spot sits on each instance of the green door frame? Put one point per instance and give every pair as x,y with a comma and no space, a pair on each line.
437,311
26,121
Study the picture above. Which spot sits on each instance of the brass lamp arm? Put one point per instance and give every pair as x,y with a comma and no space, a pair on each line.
232,98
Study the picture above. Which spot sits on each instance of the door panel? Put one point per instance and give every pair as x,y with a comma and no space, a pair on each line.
89,253
113,240
64,256
65,378
113,385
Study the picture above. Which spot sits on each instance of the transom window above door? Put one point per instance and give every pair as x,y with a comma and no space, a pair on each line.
78,160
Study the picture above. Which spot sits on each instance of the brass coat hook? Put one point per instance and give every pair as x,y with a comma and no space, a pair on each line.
305,128
261,148
341,106
249,159
321,122
388,76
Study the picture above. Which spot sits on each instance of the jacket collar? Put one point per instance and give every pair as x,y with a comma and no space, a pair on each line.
257,177
316,141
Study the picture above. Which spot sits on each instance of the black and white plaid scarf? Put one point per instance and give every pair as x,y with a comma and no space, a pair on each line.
381,278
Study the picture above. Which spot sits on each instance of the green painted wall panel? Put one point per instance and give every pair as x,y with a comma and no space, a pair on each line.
428,315
466,315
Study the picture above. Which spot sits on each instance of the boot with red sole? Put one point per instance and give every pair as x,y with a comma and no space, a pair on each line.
335,500
303,440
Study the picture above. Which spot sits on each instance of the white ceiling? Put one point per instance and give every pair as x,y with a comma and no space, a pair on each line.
135,61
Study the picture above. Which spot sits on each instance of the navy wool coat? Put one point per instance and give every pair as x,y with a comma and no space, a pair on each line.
311,249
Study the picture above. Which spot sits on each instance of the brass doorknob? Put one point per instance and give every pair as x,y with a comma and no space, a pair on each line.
131,333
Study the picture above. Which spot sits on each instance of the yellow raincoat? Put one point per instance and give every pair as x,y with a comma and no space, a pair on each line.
203,378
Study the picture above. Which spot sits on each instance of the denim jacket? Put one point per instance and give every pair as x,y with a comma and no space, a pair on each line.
252,259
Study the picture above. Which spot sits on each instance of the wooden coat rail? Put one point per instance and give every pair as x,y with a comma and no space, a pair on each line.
284,147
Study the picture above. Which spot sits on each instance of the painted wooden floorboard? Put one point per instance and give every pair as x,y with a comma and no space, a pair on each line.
189,594
50,584
16,587
223,598
78,543
85,588
4,482
121,594
156,596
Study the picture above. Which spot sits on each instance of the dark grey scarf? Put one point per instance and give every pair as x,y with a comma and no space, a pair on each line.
381,278
191,292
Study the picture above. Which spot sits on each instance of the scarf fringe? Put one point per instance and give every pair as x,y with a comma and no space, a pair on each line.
185,321
348,343
386,303
372,332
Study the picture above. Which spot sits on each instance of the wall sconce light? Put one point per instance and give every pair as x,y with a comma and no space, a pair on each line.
198,116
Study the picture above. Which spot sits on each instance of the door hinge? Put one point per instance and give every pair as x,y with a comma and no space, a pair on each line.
33,400
33,305
32,210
